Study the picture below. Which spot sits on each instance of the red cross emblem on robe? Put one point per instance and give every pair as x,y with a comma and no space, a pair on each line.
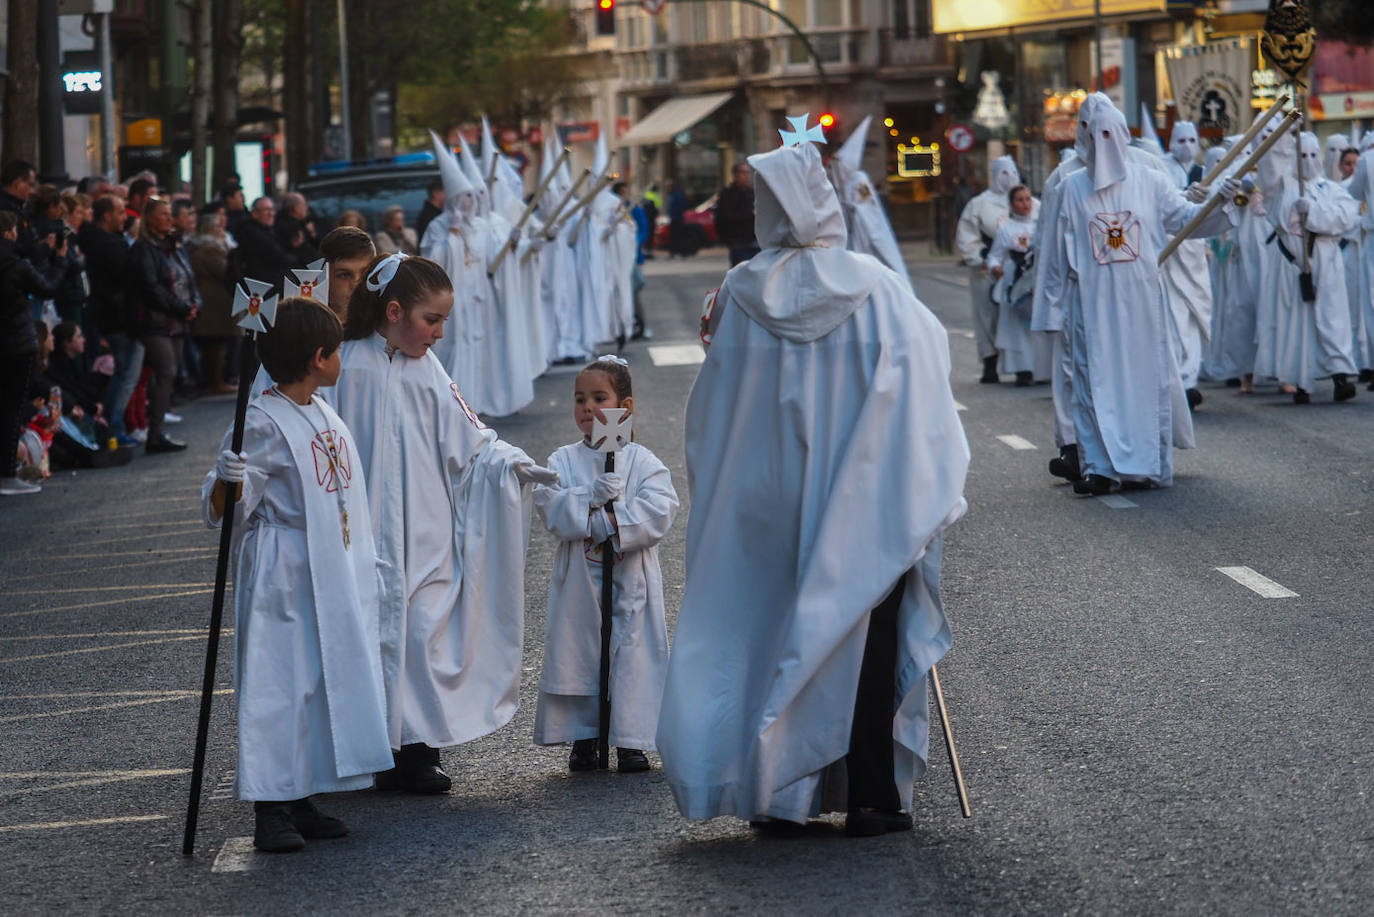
327,475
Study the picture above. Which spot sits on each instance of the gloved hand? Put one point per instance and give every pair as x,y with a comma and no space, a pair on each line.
1230,188
1195,193
1247,185
599,526
231,467
514,240
530,473
607,488
1302,206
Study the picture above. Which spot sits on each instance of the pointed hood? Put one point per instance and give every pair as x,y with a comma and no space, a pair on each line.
1148,138
473,171
1086,108
851,153
601,159
1335,145
489,150
1279,161
1110,141
1310,156
1005,175
451,173
1183,144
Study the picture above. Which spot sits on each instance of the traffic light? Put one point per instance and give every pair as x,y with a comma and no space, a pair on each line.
827,120
605,17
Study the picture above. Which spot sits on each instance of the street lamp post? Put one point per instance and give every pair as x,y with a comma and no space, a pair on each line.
347,119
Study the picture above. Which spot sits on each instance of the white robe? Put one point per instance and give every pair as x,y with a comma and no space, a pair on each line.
621,250
561,298
977,227
870,231
1312,341
1022,350
569,685
1362,190
463,248
1049,303
307,666
1187,288
451,523
1243,275
1128,398
511,373
593,273
825,458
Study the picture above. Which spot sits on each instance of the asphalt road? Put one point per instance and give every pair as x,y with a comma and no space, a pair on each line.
1140,732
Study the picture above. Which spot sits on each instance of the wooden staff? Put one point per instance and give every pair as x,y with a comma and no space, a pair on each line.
1239,146
491,173
1217,200
529,208
959,788
550,230
603,742
591,196
622,212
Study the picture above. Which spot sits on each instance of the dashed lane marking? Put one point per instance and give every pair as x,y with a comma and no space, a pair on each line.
224,788
1016,442
1258,583
960,406
97,708
109,588
84,778
126,600
146,552
82,823
183,559
53,654
108,633
1116,501
237,855
676,354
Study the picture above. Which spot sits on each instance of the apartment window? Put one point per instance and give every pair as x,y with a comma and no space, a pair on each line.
910,19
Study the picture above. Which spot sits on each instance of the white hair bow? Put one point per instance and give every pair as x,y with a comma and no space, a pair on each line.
381,275
612,358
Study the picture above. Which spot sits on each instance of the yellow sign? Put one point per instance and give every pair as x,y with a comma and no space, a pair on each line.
962,16
918,161
147,132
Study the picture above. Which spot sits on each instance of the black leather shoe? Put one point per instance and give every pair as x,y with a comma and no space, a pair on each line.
1345,389
1194,398
313,824
873,822
583,757
274,831
1301,396
990,371
163,444
1066,466
777,827
1367,375
1024,379
1096,485
421,772
631,761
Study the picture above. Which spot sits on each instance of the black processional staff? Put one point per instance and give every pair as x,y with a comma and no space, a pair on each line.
254,310
607,437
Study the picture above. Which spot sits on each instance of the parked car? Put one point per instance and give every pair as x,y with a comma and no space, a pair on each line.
369,187
701,221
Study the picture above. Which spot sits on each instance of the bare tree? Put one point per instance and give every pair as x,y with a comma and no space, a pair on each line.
21,86
230,51
300,131
200,99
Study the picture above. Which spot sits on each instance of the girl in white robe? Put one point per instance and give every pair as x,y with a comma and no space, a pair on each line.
307,667
1024,352
642,507
450,512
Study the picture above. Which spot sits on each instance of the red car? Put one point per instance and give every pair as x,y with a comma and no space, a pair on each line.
702,222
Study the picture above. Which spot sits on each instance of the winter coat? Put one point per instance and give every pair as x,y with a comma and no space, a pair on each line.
152,301
18,281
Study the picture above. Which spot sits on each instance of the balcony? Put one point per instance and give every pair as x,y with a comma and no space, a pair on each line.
903,50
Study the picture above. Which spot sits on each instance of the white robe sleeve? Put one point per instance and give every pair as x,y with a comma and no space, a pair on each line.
644,517
967,236
267,456
565,511
1333,211
1175,210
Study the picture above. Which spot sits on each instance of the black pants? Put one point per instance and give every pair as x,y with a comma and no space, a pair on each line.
14,390
872,781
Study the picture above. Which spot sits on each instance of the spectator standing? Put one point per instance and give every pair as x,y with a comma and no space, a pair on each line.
735,215
214,328
107,257
235,208
263,256
395,235
17,180
140,189
19,280
186,288
679,242
353,219
152,294
433,206
295,230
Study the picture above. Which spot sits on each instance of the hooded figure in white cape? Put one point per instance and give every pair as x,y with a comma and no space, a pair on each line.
825,458
595,314
1129,408
1361,188
459,240
507,192
1312,340
558,267
1184,277
870,231
973,236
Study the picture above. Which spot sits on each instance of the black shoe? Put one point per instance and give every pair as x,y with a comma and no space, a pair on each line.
1096,485
420,771
1066,466
274,831
163,443
631,761
387,781
1301,396
777,827
1138,485
620,343
1345,389
1233,382
990,371
314,824
1024,379
642,334
1367,375
873,822
583,757
1194,398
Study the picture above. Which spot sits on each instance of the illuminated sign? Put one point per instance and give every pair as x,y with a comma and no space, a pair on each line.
962,16
82,81
918,161
83,85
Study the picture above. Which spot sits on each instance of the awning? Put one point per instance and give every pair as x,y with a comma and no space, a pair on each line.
672,118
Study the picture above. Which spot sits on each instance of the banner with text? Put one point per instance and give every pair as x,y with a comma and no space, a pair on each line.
1211,83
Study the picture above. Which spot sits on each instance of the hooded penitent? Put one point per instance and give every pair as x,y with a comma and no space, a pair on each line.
1183,144
1005,175
458,191
870,232
1335,145
1108,140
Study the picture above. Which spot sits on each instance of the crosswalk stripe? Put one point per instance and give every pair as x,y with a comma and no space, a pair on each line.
1258,583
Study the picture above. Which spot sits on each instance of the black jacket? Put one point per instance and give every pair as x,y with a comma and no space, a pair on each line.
735,216
148,286
263,256
29,245
427,213
78,388
107,256
18,281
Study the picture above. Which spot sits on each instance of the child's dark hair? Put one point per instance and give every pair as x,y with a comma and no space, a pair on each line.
1015,190
618,373
64,332
303,326
8,220
414,279
344,242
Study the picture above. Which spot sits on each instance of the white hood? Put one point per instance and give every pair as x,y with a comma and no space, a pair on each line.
1335,144
1085,115
1183,144
1310,157
1279,162
601,159
851,154
1110,139
1148,138
455,182
473,170
803,284
1005,175
489,151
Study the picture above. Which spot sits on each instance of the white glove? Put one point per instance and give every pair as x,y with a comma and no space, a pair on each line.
599,526
607,488
1195,193
530,473
231,467
1230,188
1302,206
514,240
1247,185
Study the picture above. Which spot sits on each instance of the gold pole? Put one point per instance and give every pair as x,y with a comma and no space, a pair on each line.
959,787
529,208
1239,146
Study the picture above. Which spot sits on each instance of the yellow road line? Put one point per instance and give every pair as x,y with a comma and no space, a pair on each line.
50,714
109,633
125,538
94,779
204,555
96,649
82,823
110,588
127,600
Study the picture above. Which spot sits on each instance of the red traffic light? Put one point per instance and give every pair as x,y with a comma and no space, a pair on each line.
605,17
827,119
606,4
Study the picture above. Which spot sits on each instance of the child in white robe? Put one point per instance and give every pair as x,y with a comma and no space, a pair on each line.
311,712
634,506
450,515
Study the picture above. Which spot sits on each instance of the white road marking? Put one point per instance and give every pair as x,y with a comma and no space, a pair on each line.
50,714
959,406
134,600
676,354
110,633
110,588
82,823
84,778
1116,501
1016,442
1258,583
123,539
237,855
98,649
224,789
203,555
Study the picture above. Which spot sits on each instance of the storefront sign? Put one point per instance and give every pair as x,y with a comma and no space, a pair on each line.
1342,82
83,85
1211,84
1117,75
579,132
963,16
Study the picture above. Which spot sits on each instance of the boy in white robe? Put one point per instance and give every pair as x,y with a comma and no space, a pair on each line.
642,505
825,458
307,668
450,513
